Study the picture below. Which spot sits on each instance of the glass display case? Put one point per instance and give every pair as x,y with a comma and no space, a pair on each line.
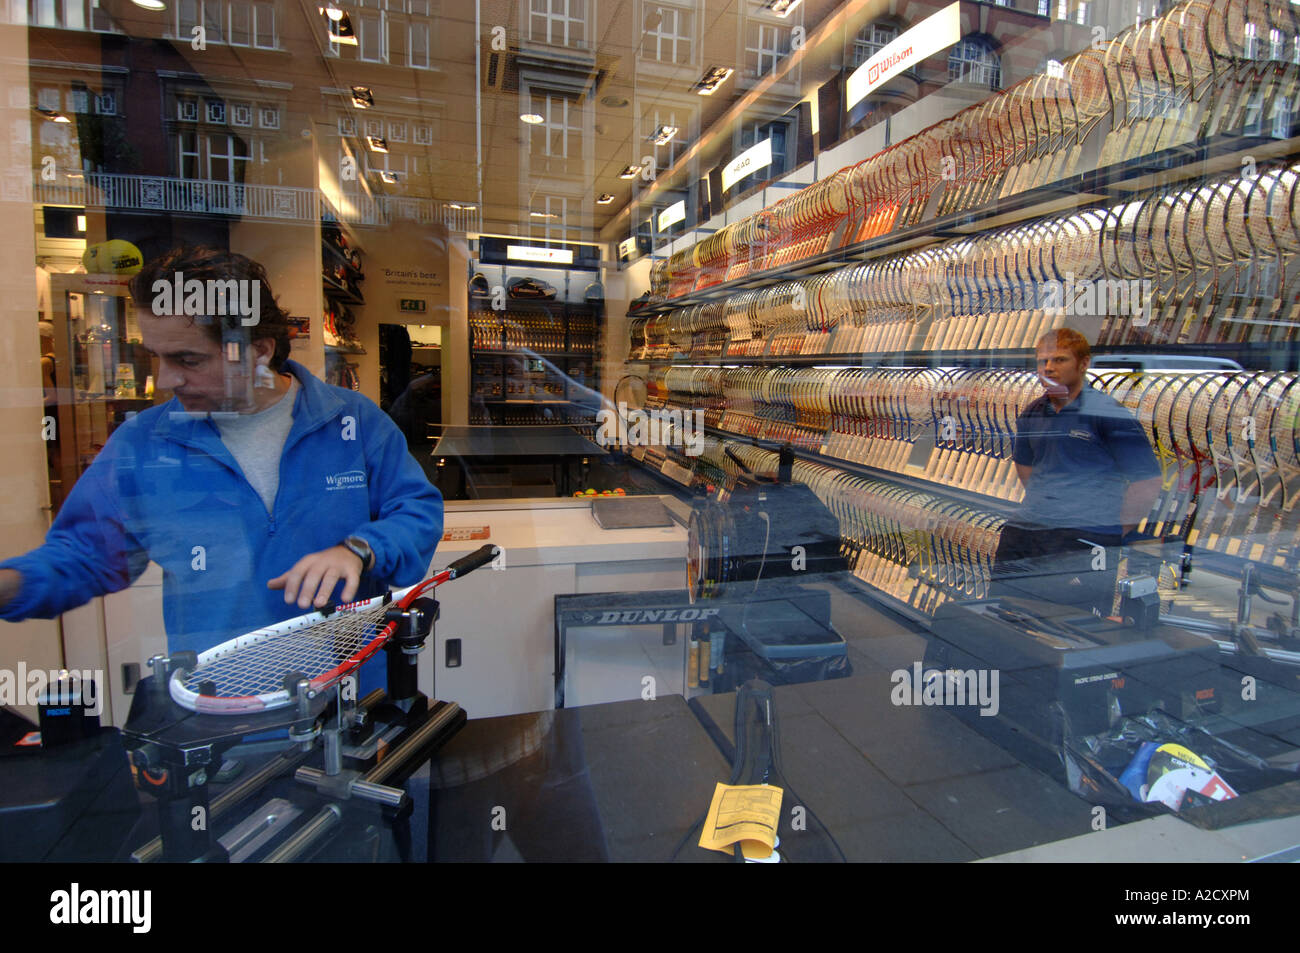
899,407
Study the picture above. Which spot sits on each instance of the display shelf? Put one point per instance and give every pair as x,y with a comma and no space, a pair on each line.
868,359
335,254
953,251
981,500
533,352
341,292
1119,181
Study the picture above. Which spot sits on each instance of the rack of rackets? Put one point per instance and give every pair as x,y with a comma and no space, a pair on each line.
1229,453
1228,443
954,427
1217,262
921,548
1197,71
486,330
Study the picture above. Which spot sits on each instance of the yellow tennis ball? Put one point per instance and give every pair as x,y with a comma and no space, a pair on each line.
113,257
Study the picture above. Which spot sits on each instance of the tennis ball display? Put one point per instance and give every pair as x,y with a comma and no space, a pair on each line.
114,257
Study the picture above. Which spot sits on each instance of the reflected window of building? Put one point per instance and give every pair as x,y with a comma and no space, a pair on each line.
558,22
236,22
372,43
668,33
252,24
560,129
1080,11
766,45
654,120
871,39
65,14
974,60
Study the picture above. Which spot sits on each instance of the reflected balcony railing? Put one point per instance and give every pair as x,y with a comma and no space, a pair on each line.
146,193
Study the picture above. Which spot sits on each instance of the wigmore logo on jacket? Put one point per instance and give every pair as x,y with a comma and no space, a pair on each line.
75,907
347,480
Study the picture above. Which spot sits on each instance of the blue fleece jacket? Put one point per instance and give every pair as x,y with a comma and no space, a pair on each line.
166,489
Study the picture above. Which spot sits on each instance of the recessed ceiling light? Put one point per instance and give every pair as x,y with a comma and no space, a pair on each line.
150,4
59,117
604,199
362,97
711,80
663,135
377,143
532,119
542,214
389,178
629,172
459,207
783,8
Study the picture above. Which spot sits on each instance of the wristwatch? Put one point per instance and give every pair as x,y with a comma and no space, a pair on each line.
361,549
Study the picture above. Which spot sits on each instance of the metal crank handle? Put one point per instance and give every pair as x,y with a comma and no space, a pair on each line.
467,564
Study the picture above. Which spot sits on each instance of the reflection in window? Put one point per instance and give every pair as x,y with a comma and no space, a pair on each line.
668,34
228,158
371,47
558,22
561,126
65,14
871,39
767,46
237,22
974,61
651,122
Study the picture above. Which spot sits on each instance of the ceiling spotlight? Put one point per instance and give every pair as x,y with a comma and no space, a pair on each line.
362,97
532,119
59,117
150,4
783,8
663,135
711,80
629,172
604,199
377,143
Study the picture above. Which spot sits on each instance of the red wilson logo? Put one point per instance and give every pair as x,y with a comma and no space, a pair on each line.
878,71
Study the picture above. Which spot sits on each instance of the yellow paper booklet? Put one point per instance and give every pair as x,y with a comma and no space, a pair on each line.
745,814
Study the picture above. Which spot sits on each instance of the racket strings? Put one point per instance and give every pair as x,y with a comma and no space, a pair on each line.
313,651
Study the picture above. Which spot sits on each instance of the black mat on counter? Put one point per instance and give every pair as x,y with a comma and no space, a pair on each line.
621,781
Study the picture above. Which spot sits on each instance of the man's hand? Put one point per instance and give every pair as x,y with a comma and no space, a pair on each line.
11,583
313,578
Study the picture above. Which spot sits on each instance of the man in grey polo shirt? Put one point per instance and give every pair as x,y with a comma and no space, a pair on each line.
1090,477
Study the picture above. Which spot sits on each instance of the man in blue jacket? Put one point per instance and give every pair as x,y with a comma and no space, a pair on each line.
260,490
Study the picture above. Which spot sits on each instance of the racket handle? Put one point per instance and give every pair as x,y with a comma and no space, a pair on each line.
467,564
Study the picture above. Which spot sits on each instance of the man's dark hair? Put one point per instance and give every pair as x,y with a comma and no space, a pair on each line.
205,264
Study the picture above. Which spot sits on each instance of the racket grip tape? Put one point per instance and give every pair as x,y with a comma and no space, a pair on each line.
467,564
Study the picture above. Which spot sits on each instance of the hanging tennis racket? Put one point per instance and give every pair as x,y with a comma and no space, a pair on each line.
259,671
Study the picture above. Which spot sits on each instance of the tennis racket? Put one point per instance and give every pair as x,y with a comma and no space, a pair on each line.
259,671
